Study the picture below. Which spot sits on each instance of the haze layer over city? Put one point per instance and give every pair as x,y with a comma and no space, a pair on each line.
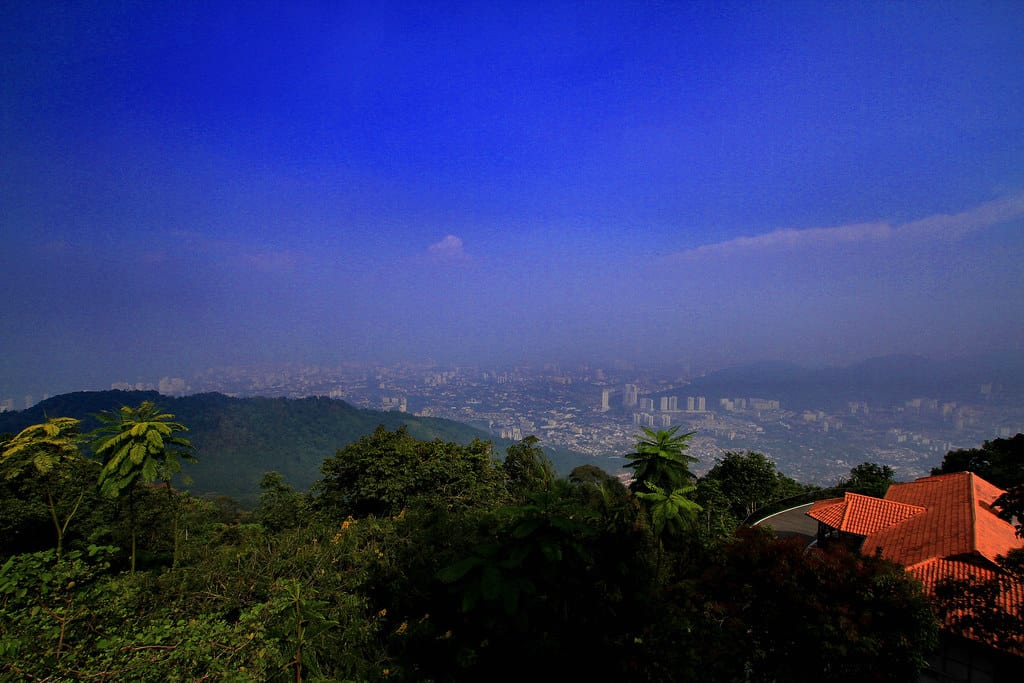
493,185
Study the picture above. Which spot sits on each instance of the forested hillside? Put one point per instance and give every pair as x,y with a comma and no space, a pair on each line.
417,560
237,440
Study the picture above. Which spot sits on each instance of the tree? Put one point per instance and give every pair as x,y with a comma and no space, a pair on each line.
596,489
49,449
527,468
870,479
1000,462
385,472
1011,508
773,611
748,480
139,445
717,519
660,458
671,512
281,506
983,608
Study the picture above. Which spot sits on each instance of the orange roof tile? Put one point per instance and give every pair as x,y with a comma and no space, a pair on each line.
862,515
932,571
1010,598
937,527
959,520
830,511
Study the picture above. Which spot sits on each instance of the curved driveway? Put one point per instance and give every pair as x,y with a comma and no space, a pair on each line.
792,522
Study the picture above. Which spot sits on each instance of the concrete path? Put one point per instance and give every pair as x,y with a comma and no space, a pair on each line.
792,522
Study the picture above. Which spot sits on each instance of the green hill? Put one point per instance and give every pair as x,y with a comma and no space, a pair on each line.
238,439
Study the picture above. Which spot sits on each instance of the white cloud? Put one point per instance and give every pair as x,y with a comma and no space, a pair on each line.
946,227
448,249
938,228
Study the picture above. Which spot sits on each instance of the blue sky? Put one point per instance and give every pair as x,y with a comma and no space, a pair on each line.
231,184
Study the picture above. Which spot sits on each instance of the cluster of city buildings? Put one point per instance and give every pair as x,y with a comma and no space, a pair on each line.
598,411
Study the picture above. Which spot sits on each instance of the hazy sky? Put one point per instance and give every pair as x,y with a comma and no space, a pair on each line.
231,184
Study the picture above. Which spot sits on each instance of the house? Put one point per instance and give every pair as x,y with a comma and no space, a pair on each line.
940,527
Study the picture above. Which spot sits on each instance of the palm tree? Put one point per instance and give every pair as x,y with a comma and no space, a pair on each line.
139,445
672,512
50,449
660,459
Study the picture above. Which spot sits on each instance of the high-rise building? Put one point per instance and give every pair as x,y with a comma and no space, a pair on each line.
606,396
689,404
630,394
647,404
701,404
644,419
669,403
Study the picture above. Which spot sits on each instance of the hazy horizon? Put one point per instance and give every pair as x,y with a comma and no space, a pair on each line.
703,184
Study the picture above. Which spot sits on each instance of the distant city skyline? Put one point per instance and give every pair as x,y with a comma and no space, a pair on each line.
816,424
696,183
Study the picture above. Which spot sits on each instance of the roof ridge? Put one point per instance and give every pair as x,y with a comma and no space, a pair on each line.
944,475
846,508
974,515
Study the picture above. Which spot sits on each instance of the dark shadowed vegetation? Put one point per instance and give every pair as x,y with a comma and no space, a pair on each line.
424,559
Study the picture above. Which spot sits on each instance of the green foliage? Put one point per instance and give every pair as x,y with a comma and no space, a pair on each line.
237,439
138,445
552,578
982,609
772,611
75,621
536,542
416,564
672,512
747,480
527,468
870,479
1011,508
50,452
1000,462
300,622
47,607
598,490
738,485
386,472
44,447
718,516
281,506
660,459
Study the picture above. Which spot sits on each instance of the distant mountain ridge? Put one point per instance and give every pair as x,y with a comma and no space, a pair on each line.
885,378
238,439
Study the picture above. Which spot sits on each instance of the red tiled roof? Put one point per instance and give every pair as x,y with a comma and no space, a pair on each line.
1010,598
937,527
932,571
958,520
862,515
829,511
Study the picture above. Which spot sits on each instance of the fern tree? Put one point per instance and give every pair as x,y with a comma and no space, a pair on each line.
661,459
672,514
49,449
139,445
